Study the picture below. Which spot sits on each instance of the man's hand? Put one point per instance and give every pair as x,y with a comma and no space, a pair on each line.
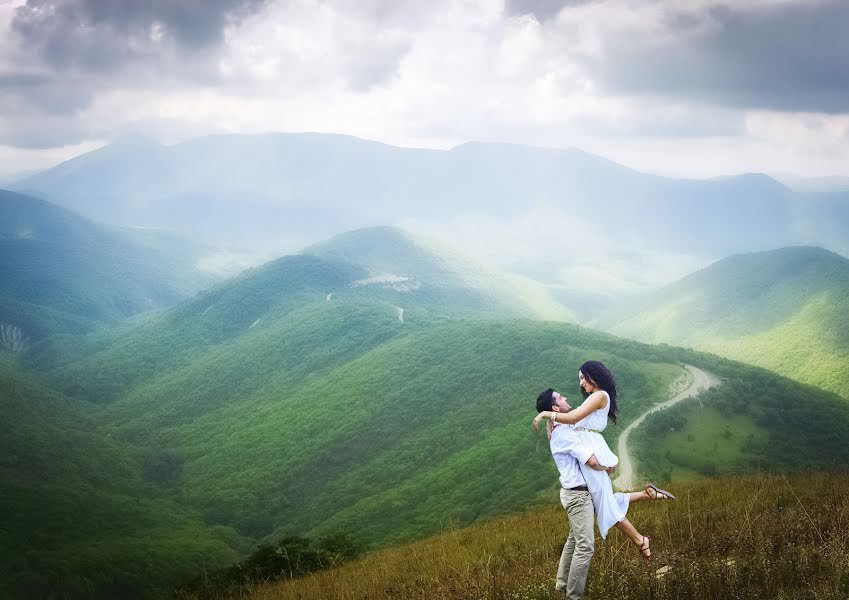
611,470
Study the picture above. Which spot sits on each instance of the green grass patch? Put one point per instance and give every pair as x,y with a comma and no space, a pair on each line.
709,442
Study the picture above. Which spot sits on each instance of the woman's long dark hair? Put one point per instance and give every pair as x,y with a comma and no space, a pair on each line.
603,379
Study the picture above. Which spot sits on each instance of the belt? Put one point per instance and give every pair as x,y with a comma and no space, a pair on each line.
586,429
578,488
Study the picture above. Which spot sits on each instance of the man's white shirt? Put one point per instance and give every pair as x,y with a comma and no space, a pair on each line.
567,450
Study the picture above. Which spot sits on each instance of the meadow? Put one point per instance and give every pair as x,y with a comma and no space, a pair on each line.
762,537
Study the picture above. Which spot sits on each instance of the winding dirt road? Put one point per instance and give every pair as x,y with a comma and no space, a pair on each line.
701,381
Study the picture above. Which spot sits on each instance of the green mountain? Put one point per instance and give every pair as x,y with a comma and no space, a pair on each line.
786,310
291,401
62,274
297,398
84,515
410,271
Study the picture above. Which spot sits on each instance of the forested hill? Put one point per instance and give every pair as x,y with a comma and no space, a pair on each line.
298,399
786,310
381,268
60,273
83,515
289,405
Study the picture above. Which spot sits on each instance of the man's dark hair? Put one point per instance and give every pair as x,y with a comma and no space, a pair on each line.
545,400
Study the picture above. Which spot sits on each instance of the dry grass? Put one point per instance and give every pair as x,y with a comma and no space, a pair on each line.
763,537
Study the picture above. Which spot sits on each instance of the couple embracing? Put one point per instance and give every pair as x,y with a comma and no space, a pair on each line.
585,463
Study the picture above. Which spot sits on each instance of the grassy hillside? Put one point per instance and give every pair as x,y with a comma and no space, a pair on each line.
83,517
62,274
786,310
753,422
762,537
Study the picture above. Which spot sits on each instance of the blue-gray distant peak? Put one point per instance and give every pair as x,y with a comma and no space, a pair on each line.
755,181
262,189
383,250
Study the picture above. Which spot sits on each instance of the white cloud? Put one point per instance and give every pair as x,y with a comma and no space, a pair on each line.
437,74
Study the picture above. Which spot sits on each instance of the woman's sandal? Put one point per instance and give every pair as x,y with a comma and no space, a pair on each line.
644,547
659,494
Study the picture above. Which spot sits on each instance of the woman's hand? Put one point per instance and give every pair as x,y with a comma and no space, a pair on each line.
549,428
540,416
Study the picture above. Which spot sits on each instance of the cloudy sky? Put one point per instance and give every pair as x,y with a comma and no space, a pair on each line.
696,88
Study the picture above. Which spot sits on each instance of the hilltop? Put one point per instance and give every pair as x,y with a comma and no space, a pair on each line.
786,310
414,272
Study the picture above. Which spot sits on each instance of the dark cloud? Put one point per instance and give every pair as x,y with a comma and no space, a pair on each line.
67,52
542,10
103,35
37,111
40,131
785,57
23,92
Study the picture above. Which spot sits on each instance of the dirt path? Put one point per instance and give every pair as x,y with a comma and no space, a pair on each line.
701,381
400,312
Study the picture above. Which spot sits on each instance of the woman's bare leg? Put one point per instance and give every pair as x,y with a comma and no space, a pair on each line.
639,540
630,531
646,494
638,496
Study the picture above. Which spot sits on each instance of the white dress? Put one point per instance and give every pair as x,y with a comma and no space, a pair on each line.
610,507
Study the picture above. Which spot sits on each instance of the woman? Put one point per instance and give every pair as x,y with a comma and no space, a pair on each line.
599,390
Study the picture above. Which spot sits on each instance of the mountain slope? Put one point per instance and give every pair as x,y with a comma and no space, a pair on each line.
61,273
786,310
289,412
301,295
87,508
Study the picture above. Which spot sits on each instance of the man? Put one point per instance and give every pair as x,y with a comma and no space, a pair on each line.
568,452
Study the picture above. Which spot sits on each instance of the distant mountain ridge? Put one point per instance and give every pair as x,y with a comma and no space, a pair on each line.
786,310
270,186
